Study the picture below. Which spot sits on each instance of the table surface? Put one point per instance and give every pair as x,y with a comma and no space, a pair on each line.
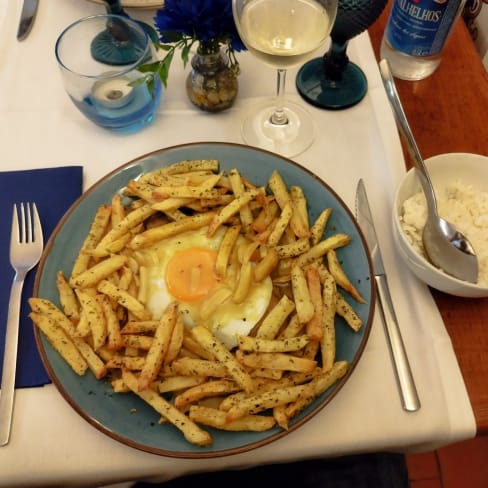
448,113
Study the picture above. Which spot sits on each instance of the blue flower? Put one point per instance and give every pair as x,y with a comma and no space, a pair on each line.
204,20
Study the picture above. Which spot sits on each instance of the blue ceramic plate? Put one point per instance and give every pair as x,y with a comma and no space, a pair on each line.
125,417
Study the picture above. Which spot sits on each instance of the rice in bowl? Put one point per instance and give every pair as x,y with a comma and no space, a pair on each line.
462,205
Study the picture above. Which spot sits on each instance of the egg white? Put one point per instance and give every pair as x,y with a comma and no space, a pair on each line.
230,320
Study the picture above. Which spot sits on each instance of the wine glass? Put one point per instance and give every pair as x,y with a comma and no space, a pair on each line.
334,82
282,34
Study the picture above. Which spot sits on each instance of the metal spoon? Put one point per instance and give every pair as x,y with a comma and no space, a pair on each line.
446,247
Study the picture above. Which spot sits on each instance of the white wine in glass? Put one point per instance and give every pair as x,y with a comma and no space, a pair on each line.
282,34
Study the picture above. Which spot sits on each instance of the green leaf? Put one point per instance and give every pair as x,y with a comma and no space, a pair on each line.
149,67
185,52
166,47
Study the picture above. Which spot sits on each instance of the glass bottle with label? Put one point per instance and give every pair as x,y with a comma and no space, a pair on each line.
415,35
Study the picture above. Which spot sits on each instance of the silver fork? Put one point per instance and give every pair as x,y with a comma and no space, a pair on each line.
26,245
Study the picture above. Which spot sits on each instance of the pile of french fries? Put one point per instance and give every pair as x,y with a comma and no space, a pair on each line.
188,375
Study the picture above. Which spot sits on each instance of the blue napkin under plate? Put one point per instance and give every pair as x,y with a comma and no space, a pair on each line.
53,190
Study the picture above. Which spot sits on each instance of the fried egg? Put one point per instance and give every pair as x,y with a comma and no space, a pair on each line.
182,268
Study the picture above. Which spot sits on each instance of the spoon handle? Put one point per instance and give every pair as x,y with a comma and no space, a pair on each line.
407,135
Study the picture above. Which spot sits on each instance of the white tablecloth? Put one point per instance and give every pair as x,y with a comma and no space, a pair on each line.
39,127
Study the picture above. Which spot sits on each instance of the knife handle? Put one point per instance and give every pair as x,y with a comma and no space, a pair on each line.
403,373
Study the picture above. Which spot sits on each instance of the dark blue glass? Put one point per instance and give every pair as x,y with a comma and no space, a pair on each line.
333,81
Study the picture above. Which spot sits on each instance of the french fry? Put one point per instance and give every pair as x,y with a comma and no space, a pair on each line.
265,217
244,283
199,352
118,210
173,203
292,329
238,190
82,327
273,321
112,247
137,342
281,224
140,327
320,249
314,325
159,347
254,344
219,295
328,339
347,313
176,340
266,265
67,297
134,363
114,338
270,399
225,250
125,299
319,385
208,341
96,365
98,272
46,307
199,367
191,165
132,219
280,191
156,234
301,294
300,208
340,276
294,249
186,191
208,389
278,360
61,342
178,383
225,213
191,431
97,230
217,419
318,228
93,313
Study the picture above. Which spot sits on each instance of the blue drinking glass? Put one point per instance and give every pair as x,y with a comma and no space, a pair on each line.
109,93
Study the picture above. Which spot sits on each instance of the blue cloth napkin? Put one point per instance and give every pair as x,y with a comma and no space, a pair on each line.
53,190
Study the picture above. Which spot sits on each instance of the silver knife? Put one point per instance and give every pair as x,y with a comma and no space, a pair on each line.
29,10
408,391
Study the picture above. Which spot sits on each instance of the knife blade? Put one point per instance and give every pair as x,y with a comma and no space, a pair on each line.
27,17
403,373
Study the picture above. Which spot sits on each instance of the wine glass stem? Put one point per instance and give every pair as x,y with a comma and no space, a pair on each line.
279,116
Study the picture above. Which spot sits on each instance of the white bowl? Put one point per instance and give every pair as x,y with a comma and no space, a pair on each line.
469,169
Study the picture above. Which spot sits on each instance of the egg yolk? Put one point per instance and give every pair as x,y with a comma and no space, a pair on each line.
190,274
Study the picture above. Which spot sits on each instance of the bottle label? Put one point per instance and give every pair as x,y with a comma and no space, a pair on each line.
421,27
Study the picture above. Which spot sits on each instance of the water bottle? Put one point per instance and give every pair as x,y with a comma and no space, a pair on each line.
415,35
